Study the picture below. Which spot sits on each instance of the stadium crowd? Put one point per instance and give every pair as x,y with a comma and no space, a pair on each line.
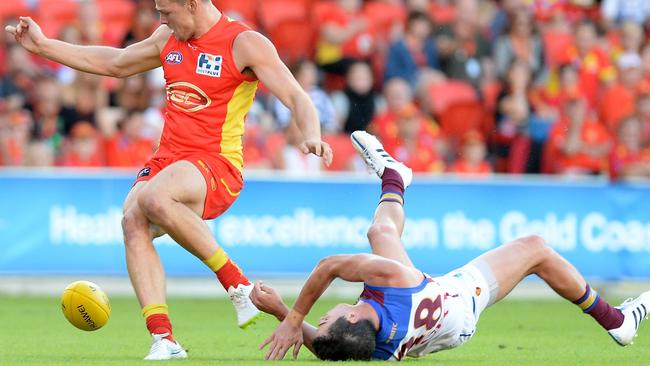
465,86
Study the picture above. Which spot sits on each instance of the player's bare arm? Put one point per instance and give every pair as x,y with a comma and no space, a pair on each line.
369,268
256,53
101,60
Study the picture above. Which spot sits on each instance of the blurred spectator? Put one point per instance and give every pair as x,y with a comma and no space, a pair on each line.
397,95
133,93
632,38
629,158
46,109
414,52
462,49
522,43
591,61
472,160
418,144
83,147
617,11
40,154
642,111
578,144
356,104
145,21
128,147
619,99
14,135
513,112
289,157
345,36
502,17
442,12
306,74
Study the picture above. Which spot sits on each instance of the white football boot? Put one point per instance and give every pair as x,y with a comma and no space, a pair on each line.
247,313
635,311
164,349
377,159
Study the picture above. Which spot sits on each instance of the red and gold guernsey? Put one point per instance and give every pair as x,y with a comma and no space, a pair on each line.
207,96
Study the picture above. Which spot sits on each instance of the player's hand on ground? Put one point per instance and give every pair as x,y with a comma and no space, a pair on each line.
318,148
27,33
285,336
268,300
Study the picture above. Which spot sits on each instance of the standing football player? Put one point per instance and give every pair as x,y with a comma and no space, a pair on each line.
212,65
403,311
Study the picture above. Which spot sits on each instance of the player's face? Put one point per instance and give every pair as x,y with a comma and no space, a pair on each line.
330,317
177,16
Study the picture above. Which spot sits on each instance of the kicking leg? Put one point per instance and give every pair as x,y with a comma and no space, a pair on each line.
388,223
513,261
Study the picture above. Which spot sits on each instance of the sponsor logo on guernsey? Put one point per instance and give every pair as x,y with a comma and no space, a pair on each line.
209,65
174,57
187,97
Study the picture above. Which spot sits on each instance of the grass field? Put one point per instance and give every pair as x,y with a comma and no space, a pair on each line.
33,331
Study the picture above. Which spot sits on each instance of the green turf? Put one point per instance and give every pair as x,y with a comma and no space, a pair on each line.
33,331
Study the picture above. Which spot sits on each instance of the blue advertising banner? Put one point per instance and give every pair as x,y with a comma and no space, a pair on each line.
69,223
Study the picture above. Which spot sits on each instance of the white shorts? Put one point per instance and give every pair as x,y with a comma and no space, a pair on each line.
477,289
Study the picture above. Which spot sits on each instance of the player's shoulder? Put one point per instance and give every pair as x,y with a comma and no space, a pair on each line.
252,45
161,35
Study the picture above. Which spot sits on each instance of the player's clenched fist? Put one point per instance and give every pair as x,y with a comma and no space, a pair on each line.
268,300
27,33
318,148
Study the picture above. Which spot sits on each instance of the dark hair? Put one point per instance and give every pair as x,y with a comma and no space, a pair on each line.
346,341
417,16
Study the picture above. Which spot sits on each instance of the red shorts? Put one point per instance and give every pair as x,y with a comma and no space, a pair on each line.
224,182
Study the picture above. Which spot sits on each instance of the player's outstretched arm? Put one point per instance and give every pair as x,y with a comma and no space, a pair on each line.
253,50
368,268
269,301
101,60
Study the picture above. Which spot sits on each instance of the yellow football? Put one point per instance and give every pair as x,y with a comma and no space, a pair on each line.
85,305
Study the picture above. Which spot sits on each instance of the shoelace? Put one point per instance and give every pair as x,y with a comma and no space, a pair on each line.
238,297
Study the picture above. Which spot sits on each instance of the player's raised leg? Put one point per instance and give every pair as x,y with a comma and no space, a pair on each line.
148,279
174,200
388,222
513,261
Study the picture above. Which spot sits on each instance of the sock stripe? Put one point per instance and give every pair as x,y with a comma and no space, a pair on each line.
588,300
591,302
154,309
394,197
216,260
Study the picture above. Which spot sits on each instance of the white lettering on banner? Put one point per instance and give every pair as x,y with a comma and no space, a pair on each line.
67,226
598,234
304,229
459,232
559,234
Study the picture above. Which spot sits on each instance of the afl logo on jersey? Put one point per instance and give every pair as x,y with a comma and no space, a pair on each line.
187,97
174,57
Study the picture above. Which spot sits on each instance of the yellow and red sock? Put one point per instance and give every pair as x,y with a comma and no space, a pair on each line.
606,315
392,187
226,270
157,318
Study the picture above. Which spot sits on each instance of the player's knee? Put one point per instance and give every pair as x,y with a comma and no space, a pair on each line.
381,230
536,246
152,206
133,224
